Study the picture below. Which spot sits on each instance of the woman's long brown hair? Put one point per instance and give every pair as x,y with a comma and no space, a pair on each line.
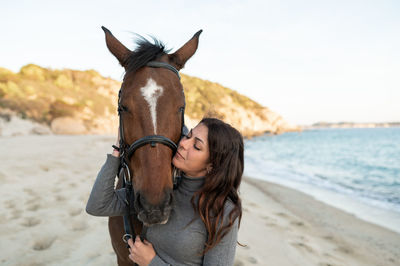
222,182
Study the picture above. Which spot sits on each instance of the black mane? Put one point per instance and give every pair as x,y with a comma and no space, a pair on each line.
144,53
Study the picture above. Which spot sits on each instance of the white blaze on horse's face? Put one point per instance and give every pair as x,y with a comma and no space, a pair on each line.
151,91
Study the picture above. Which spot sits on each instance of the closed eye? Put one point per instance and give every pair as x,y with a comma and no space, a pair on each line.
188,136
123,108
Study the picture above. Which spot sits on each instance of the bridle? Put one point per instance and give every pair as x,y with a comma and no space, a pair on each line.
127,151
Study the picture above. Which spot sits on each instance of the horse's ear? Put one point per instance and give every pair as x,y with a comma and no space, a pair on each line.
116,47
183,54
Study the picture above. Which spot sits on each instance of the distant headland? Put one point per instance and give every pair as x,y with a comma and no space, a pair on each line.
352,125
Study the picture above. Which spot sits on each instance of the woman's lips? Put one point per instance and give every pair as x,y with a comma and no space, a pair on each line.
179,155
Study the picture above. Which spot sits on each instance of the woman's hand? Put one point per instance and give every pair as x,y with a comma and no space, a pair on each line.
141,252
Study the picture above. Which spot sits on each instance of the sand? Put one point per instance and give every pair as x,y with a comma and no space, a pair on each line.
46,180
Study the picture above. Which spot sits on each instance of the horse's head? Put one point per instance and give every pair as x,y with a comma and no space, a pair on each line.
151,103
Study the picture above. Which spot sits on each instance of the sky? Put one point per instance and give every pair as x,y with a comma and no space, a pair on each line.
309,61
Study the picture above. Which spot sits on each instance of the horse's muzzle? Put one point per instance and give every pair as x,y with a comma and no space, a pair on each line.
151,214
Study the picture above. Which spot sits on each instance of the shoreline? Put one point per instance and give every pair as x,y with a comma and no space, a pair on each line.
46,181
365,211
306,231
353,190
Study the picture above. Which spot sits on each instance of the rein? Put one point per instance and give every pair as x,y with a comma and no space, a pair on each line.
127,151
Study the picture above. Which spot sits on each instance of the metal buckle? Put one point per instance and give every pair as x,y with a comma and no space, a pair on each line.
129,176
126,237
125,170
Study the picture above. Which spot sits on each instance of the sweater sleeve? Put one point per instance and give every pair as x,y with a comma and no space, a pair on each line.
157,261
104,200
223,254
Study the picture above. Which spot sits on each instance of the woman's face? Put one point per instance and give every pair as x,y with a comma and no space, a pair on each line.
192,156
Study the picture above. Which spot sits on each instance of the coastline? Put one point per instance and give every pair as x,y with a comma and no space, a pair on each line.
343,174
297,229
46,180
377,215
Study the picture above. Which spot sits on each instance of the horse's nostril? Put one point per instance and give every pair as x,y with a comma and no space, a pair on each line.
143,203
171,198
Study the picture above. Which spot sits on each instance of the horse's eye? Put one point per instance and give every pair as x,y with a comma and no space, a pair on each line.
123,108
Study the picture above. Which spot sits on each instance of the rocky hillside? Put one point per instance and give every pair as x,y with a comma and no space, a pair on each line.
84,102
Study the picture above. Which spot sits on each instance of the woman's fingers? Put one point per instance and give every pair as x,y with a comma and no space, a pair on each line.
138,241
133,246
141,252
130,242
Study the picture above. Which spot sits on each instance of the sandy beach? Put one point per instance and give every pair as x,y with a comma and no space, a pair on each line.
46,181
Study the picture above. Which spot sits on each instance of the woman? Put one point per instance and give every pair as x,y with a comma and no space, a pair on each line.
202,228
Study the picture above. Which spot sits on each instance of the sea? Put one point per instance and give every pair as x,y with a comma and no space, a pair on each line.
353,169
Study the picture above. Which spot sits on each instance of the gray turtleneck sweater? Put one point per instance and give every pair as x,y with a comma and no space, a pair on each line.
178,242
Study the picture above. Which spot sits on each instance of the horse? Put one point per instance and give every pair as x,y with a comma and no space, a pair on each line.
151,110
